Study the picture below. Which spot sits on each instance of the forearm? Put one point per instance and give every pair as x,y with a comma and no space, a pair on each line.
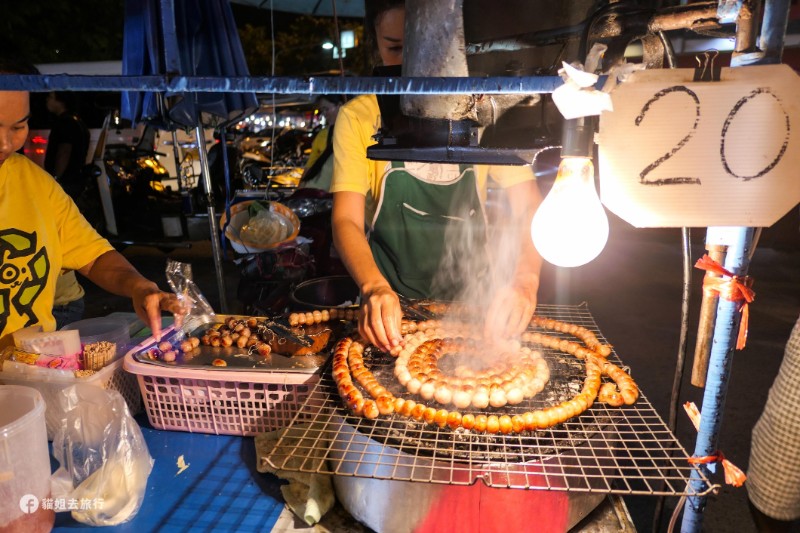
379,322
528,269
513,305
354,250
529,262
113,273
525,199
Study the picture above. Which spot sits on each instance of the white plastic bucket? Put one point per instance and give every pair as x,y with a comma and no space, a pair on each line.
24,461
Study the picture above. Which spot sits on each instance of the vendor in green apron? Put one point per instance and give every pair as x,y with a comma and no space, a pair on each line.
394,222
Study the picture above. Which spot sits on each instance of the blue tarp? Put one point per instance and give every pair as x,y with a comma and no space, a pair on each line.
183,38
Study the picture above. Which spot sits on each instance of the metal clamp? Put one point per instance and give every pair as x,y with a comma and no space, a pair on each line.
706,69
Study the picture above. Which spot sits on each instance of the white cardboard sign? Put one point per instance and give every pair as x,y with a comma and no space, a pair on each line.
679,153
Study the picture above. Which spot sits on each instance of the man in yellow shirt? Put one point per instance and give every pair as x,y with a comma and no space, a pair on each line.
42,233
425,220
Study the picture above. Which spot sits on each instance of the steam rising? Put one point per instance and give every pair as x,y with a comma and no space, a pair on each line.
479,256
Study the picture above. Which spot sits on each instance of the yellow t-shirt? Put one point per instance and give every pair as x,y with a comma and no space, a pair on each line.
358,120
41,233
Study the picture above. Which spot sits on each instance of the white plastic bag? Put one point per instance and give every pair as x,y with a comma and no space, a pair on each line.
102,454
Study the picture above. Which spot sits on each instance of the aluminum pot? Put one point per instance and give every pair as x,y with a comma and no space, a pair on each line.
394,506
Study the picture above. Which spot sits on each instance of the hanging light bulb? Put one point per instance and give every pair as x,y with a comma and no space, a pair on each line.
570,228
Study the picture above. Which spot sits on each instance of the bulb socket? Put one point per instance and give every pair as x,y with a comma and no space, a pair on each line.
577,138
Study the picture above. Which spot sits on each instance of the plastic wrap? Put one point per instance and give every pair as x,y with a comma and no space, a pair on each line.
102,454
266,228
199,311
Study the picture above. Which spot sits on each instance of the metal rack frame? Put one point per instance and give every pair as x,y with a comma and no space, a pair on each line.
627,450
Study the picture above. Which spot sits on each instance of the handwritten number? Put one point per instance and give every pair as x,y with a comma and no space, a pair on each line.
652,166
727,124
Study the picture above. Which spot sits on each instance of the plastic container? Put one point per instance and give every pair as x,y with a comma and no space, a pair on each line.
50,382
220,402
240,216
57,343
108,329
324,293
24,461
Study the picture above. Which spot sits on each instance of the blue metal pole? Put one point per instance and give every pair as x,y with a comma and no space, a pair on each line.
739,242
284,85
737,260
776,19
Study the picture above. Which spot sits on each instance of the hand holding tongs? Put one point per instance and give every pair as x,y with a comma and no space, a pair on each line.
412,310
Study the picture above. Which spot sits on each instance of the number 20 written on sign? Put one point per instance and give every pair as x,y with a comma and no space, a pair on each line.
689,93
678,153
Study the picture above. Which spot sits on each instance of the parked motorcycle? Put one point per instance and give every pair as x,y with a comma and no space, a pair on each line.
127,200
279,164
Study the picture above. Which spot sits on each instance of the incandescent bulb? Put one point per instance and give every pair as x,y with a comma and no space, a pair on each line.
570,228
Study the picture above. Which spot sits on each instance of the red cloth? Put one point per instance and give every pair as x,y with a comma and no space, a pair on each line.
480,509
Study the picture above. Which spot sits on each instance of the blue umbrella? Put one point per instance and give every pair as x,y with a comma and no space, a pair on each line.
186,38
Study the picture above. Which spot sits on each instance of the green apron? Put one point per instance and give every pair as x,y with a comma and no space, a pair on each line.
420,226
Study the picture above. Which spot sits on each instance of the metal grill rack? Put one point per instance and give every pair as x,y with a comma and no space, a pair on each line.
624,450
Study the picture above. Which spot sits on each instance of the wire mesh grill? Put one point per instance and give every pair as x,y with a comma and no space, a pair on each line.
621,450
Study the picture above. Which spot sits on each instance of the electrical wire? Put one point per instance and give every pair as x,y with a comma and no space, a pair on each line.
675,514
338,39
681,358
669,51
684,331
274,115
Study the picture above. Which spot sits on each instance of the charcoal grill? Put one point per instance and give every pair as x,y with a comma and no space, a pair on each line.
396,474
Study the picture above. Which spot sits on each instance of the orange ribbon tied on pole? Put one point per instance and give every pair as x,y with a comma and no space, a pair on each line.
733,474
732,288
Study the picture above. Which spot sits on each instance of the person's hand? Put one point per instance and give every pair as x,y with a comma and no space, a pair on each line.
149,301
510,311
380,318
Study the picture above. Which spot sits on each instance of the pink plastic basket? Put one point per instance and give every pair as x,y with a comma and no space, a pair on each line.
221,402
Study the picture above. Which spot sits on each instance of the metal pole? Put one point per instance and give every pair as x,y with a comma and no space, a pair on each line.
216,248
184,193
737,260
176,154
773,35
438,29
708,317
740,242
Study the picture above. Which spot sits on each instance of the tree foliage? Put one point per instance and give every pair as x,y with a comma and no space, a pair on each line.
61,31
298,48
